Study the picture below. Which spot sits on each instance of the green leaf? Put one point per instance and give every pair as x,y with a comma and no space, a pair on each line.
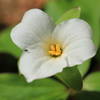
87,95
83,68
71,77
92,82
14,87
55,8
6,44
73,13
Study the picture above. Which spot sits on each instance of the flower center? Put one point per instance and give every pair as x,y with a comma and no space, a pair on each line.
55,50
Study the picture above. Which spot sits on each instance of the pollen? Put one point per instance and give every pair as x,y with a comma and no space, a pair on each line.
55,50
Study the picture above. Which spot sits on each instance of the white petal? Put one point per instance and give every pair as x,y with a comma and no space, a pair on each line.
79,51
29,63
36,68
75,36
72,30
35,26
51,67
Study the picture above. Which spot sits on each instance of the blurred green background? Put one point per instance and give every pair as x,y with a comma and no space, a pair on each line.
13,86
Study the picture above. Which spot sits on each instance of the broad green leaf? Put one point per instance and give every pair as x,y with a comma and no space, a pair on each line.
73,13
6,44
55,8
87,95
92,82
14,87
71,77
83,68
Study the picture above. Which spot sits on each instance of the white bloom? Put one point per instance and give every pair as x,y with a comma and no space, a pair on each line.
51,48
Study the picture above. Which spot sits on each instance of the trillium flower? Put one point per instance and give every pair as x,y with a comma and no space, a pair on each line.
49,48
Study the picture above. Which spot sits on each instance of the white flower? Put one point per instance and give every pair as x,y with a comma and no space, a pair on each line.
49,48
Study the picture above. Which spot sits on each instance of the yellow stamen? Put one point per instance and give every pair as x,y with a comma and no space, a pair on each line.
55,50
52,47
